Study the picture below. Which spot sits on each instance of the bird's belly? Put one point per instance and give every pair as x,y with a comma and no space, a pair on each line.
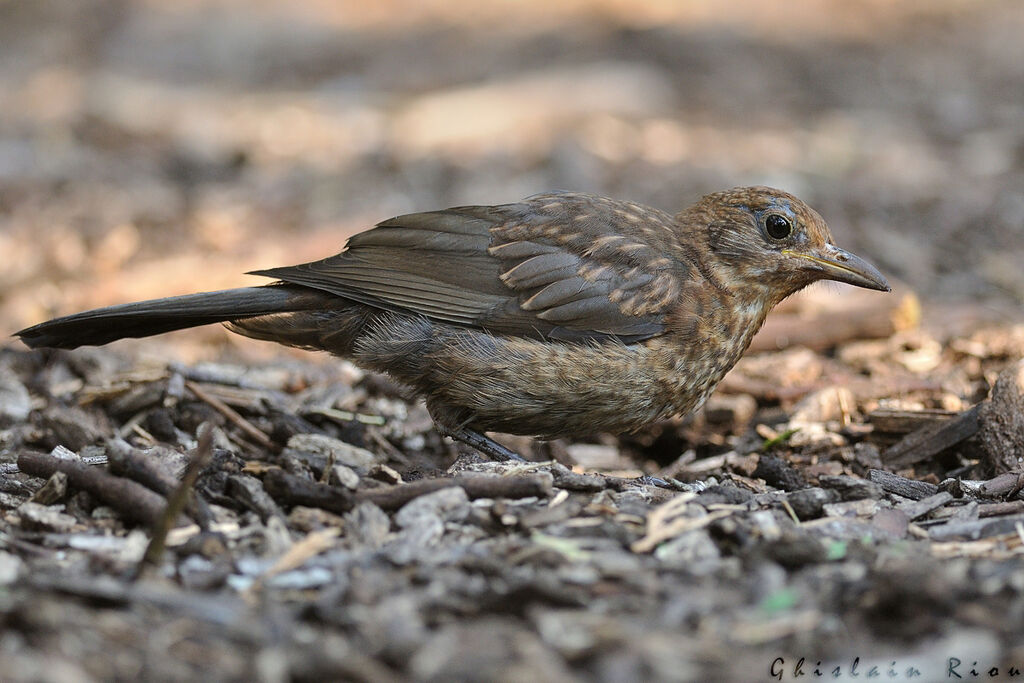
523,386
543,388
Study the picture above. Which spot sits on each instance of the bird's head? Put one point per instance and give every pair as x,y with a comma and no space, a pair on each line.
767,240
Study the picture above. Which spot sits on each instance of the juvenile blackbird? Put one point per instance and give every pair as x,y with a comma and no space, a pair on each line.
560,314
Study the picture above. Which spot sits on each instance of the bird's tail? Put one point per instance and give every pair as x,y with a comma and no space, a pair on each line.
145,318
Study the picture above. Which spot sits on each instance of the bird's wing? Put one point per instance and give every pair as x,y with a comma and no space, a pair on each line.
557,266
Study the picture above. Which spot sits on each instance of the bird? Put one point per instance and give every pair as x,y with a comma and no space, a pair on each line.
560,314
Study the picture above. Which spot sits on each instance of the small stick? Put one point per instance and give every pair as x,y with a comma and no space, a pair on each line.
386,446
908,488
231,414
325,476
127,461
176,502
998,509
132,500
296,556
476,486
1007,484
292,490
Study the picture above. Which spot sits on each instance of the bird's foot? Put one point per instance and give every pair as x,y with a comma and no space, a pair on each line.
482,443
654,481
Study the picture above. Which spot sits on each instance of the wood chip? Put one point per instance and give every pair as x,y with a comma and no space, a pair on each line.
901,486
932,439
922,507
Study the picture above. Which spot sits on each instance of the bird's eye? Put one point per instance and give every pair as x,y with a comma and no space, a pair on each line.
778,227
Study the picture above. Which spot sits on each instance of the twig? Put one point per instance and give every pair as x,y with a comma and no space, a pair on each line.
126,461
296,556
1007,484
132,500
292,490
575,481
289,489
475,486
176,502
790,511
325,475
908,488
669,520
231,414
386,446
999,509
143,433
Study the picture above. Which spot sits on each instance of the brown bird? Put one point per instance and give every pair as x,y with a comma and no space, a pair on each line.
560,314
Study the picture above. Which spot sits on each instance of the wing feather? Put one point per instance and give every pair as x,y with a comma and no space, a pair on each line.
566,289
541,270
560,266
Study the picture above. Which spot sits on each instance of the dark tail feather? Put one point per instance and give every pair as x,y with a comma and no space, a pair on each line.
145,318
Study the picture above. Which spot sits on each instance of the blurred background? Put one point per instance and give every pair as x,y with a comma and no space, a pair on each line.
152,148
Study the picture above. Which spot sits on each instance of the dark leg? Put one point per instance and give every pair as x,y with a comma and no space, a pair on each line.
654,481
482,443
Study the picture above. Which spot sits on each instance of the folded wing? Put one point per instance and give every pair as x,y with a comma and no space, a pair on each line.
559,266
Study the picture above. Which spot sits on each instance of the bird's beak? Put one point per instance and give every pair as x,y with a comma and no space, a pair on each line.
842,266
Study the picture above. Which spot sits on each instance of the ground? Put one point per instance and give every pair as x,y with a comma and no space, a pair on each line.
155,148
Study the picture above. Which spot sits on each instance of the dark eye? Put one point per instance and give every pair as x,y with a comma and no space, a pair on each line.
778,227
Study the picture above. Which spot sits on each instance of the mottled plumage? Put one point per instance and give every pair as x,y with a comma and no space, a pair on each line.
555,315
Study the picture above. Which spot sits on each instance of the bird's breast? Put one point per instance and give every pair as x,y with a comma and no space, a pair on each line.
703,344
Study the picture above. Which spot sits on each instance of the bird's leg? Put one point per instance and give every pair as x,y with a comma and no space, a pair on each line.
482,443
647,479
